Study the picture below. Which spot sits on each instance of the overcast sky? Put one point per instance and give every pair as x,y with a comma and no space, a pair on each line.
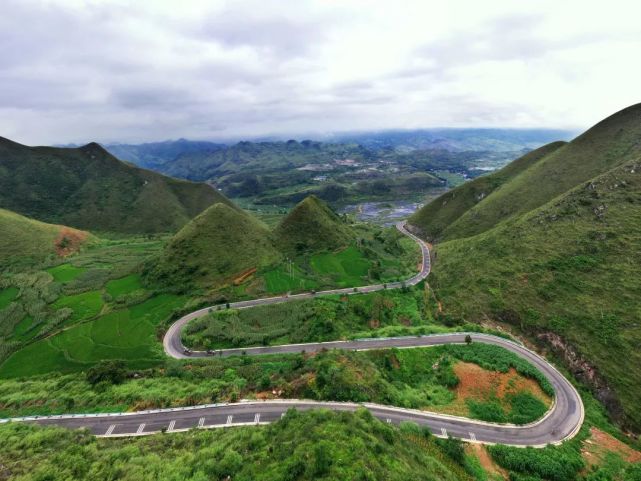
130,71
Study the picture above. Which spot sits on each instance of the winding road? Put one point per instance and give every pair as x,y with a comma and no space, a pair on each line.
561,422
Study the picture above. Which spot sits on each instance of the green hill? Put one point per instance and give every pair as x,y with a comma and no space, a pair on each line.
311,226
611,142
88,188
220,243
438,215
27,238
566,270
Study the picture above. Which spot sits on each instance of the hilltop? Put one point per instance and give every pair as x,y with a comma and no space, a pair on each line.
311,226
27,238
88,188
221,242
611,142
554,251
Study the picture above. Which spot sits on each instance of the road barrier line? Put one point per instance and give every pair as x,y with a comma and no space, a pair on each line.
257,418
171,426
444,432
229,419
472,437
141,428
201,422
110,430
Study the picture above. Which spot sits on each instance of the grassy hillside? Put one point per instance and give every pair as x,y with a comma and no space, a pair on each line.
312,226
219,244
611,142
439,214
88,188
27,238
568,269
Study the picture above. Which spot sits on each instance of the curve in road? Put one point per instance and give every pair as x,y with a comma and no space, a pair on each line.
561,422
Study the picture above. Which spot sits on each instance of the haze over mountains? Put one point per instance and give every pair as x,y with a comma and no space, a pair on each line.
552,245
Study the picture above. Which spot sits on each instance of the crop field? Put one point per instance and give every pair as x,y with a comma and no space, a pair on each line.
86,305
348,267
279,280
7,295
65,272
128,334
124,285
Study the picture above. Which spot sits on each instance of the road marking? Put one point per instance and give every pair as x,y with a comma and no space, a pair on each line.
444,432
389,421
257,418
171,426
141,428
110,430
229,418
282,415
201,422
472,437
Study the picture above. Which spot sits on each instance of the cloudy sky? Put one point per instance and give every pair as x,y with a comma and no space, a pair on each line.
130,71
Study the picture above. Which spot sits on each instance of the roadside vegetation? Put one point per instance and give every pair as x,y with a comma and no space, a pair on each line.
421,378
318,445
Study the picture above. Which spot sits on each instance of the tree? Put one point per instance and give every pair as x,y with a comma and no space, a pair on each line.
468,339
112,372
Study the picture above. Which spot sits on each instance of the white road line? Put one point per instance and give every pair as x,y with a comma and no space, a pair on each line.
141,428
110,430
444,432
201,422
257,418
389,421
282,415
229,418
171,426
472,437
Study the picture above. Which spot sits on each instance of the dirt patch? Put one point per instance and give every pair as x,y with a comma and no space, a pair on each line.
480,384
69,241
243,276
599,444
490,467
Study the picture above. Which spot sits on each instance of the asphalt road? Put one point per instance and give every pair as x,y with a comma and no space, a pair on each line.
561,422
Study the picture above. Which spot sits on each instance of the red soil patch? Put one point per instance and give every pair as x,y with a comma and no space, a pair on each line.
481,385
69,241
599,444
243,276
490,467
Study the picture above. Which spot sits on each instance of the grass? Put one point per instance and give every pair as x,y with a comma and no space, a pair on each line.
124,285
84,306
65,272
279,280
311,445
348,267
7,296
128,334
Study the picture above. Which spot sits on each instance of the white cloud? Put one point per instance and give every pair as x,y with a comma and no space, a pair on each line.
73,71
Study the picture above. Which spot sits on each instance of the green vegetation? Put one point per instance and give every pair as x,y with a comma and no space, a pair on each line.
65,272
26,240
421,378
566,270
317,445
231,253
7,295
311,226
435,218
216,246
124,285
128,334
321,319
88,188
84,306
